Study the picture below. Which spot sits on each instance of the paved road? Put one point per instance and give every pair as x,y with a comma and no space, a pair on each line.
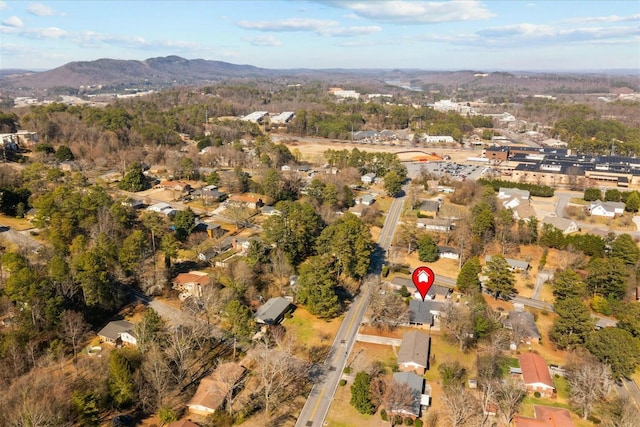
21,238
319,400
629,389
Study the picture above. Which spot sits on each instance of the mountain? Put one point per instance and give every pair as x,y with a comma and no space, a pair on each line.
115,72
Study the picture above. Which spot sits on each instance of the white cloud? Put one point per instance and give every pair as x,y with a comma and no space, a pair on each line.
350,31
611,18
415,12
292,24
265,40
553,35
4,5
40,9
13,21
321,27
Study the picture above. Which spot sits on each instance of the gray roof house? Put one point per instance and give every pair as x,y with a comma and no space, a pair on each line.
424,312
416,385
438,290
118,332
413,355
273,311
369,178
448,252
524,321
515,264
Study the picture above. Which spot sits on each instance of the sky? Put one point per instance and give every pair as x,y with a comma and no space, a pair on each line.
431,35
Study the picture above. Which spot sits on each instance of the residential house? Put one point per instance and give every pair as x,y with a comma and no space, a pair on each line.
421,395
448,252
535,374
163,209
524,211
180,186
270,211
516,265
429,208
567,226
525,324
546,416
191,283
357,210
508,193
398,282
437,292
369,178
437,225
413,355
273,311
250,201
512,202
118,332
214,390
183,423
425,313
242,244
605,209
210,193
132,203
367,200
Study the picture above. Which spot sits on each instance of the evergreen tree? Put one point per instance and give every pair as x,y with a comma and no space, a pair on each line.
316,287
568,284
184,223
624,248
240,319
134,179
427,249
500,277
121,384
64,153
361,394
393,184
573,324
607,277
349,240
632,203
616,348
468,280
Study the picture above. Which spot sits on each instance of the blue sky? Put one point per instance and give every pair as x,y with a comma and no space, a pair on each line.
437,35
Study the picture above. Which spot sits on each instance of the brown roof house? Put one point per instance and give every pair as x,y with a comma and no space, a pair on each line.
215,389
191,283
118,332
546,416
535,374
413,355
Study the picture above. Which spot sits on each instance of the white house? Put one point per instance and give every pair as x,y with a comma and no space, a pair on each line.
162,208
118,332
369,178
567,226
507,193
605,209
367,200
439,225
448,252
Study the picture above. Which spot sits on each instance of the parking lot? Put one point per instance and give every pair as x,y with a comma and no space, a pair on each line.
456,171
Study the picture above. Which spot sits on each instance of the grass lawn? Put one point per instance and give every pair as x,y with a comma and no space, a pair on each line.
310,331
16,223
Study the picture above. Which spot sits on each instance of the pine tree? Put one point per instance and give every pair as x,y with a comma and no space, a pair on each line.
468,280
361,394
500,276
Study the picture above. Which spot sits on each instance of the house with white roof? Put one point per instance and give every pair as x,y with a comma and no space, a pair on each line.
605,209
508,193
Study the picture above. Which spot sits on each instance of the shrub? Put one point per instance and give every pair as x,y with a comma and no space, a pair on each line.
383,415
167,415
417,423
537,395
408,421
347,370
342,383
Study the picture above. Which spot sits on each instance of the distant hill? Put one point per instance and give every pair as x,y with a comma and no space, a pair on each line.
115,72
162,72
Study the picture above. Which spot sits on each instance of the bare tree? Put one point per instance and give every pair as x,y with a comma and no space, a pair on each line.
509,395
155,368
280,375
457,321
75,329
388,311
398,400
461,407
623,413
280,267
590,382
181,354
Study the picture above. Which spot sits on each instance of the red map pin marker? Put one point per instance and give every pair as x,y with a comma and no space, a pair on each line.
423,278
